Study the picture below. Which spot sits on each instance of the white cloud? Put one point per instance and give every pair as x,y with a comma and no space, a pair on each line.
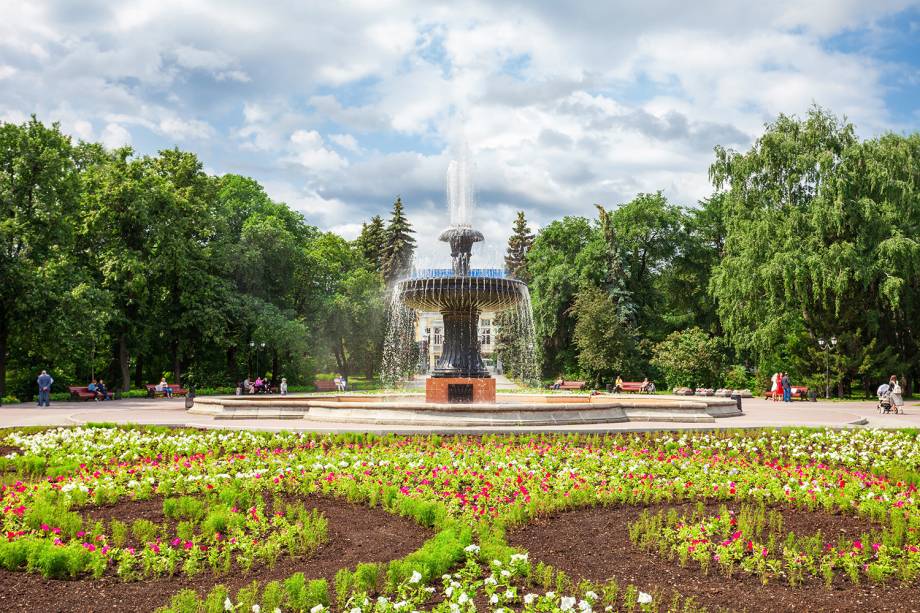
345,141
310,151
114,136
339,107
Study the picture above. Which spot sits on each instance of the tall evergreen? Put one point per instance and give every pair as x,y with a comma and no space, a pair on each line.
518,245
399,247
372,241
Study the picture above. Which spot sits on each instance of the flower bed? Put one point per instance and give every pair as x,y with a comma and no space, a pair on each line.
191,486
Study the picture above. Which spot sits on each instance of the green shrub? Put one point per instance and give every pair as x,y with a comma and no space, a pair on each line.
214,603
119,532
185,601
737,378
144,530
344,583
366,577
273,597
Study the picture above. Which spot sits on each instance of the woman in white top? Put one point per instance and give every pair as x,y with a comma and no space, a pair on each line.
283,386
897,400
774,388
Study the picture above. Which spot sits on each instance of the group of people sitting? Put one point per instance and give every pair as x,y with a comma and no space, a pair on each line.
260,386
646,387
99,391
341,383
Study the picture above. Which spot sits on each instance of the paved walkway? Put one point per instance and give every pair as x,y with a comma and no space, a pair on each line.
757,413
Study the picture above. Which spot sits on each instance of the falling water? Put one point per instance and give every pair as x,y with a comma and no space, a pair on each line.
435,289
460,201
400,350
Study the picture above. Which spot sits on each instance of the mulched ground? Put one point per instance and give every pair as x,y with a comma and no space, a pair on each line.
8,449
356,534
593,544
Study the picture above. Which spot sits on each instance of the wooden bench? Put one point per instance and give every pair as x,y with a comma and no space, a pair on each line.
325,386
798,391
153,392
80,393
570,385
632,387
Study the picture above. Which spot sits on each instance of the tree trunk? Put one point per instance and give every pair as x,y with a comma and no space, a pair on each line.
139,371
124,365
177,365
231,364
275,372
4,333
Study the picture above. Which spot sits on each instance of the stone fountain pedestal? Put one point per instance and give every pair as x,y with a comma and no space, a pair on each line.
460,390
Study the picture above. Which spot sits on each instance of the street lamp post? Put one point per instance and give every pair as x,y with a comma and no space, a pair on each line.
252,345
826,345
258,353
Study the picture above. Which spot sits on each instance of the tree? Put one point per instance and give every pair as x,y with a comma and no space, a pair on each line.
372,242
603,336
518,245
566,255
514,338
690,358
39,189
115,225
400,246
821,238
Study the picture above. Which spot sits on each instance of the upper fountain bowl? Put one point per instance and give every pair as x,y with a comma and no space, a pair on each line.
460,292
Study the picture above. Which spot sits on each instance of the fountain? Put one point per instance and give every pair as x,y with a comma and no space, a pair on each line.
460,375
460,393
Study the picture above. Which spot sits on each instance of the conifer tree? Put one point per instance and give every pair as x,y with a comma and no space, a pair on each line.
372,241
399,247
518,245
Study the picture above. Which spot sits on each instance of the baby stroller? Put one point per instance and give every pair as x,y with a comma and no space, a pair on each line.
884,403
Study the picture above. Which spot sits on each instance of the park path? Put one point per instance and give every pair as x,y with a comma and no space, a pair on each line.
171,412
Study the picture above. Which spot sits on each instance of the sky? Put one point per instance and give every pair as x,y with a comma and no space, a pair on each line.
337,108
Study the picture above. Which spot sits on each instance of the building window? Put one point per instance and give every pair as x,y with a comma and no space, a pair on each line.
485,332
438,336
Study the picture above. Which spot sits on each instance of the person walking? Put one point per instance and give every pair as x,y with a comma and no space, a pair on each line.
44,381
787,388
896,395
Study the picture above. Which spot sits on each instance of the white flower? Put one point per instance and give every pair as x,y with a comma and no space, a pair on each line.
416,577
567,603
463,598
591,595
584,606
471,548
356,610
317,609
529,598
644,598
256,608
550,594
493,599
228,605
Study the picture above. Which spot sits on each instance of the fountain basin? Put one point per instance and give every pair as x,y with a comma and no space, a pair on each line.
459,293
512,410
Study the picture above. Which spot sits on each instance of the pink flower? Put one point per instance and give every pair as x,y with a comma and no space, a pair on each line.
45,527
89,546
857,545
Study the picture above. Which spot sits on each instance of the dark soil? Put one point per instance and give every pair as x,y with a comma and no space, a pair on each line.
8,449
356,534
593,544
